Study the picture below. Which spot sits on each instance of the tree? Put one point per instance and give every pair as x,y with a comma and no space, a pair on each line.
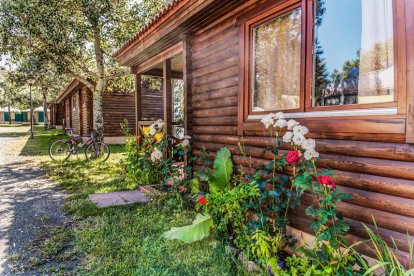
12,93
48,80
77,36
321,73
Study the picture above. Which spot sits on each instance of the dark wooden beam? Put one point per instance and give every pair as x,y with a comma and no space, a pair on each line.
188,80
159,73
409,42
158,58
138,107
167,95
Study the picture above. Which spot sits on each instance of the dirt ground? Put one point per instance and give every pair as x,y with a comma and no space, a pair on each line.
29,202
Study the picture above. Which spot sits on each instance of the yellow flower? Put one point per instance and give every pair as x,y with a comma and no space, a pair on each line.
158,137
146,130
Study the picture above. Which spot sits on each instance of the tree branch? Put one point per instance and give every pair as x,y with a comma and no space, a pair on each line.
83,80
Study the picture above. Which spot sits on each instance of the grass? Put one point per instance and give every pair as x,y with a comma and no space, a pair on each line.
117,240
38,146
127,240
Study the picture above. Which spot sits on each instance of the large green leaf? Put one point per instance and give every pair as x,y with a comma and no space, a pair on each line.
194,187
223,168
198,230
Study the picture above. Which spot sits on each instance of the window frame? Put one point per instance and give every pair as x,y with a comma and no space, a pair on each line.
257,21
273,8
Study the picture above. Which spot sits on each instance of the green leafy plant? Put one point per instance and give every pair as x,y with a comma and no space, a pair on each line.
146,162
293,266
220,178
218,182
388,260
229,208
199,229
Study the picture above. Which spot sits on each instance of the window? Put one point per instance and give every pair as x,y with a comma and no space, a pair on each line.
353,55
74,103
301,56
276,63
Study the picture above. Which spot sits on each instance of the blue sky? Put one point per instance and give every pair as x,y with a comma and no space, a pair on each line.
340,33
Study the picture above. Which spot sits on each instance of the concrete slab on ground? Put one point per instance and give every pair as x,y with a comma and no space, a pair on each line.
118,198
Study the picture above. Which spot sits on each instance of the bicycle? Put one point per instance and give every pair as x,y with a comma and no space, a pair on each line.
61,150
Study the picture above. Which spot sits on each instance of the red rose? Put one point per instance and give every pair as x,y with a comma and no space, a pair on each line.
293,157
201,199
326,180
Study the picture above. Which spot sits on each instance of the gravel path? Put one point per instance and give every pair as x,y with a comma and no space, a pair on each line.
28,200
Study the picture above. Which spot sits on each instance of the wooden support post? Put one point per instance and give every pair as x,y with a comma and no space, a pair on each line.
167,95
409,43
138,108
188,80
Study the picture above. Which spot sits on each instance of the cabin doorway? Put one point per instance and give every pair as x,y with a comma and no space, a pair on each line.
160,95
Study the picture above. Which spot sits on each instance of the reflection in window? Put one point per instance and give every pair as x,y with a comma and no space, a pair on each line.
276,63
353,52
178,105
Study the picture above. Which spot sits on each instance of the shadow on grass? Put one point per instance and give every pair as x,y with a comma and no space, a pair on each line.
38,146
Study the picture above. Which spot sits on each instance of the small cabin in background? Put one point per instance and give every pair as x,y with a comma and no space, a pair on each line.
5,115
74,108
344,69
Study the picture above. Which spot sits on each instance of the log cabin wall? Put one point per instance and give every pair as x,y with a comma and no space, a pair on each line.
369,154
116,108
68,112
59,114
75,113
85,111
151,101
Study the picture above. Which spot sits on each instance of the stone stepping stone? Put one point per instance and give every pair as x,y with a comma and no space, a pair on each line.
118,198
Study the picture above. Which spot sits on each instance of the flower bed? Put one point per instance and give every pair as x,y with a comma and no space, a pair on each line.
250,210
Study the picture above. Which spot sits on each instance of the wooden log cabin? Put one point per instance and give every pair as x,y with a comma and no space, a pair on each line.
73,108
342,68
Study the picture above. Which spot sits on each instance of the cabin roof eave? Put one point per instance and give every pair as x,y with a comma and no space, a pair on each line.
69,90
167,29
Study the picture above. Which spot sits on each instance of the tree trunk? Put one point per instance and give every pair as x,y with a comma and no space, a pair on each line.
98,120
46,119
10,120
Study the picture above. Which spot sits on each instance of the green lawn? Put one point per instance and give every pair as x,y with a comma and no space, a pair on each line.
38,146
121,240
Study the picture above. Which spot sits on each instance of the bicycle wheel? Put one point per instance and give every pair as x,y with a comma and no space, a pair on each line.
59,150
98,151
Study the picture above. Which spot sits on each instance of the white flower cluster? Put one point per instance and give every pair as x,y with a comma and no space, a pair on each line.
156,155
295,133
157,125
185,140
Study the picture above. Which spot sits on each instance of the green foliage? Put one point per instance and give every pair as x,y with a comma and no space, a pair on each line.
263,245
388,259
198,230
139,168
194,186
295,266
223,169
229,207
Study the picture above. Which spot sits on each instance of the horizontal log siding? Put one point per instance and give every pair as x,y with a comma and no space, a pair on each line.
379,175
86,111
151,102
117,108
75,113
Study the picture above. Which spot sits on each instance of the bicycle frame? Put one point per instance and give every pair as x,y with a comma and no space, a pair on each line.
72,141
